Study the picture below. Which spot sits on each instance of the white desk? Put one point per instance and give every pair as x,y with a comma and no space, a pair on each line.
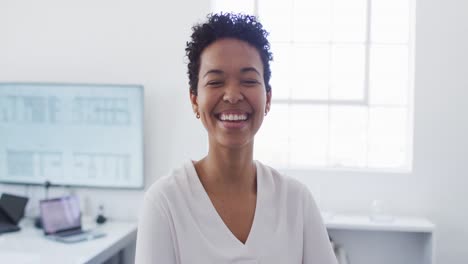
30,246
403,240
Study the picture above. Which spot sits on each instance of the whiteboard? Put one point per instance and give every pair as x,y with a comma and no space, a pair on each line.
71,134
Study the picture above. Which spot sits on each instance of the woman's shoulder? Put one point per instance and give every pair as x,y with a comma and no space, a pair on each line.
168,185
280,181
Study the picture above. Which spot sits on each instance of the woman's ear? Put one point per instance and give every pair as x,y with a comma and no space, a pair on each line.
193,100
268,102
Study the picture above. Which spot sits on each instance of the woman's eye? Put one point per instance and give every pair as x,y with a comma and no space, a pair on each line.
214,83
250,82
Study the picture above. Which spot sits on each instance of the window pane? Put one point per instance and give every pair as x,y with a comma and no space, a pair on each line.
349,20
388,137
388,76
272,140
348,136
347,72
309,136
390,21
275,15
238,6
281,71
312,20
310,73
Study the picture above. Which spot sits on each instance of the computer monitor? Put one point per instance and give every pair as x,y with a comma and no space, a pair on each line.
72,134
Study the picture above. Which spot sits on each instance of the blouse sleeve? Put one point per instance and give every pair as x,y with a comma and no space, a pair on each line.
154,239
317,247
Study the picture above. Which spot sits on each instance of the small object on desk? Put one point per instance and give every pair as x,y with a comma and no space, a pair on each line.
38,222
378,213
101,219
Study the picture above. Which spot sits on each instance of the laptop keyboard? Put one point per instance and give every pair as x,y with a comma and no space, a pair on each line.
71,233
7,227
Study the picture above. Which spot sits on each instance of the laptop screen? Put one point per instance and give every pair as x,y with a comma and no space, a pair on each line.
60,214
13,206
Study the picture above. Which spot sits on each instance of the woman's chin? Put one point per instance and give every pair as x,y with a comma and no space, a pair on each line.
233,143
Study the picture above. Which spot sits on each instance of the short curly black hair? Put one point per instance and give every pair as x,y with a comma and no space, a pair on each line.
227,25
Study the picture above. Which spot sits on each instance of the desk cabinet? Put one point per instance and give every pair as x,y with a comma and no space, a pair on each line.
401,241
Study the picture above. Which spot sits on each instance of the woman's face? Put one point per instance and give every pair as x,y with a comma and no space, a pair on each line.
231,96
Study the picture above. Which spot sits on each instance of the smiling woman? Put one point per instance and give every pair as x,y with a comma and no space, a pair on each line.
226,207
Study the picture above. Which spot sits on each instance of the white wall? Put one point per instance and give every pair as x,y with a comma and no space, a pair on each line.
143,42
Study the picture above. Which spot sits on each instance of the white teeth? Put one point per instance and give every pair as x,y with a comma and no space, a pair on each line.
232,117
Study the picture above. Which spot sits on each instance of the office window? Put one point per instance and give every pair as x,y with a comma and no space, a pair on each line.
342,82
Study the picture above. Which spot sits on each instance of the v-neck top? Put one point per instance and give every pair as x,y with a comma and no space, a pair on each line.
180,225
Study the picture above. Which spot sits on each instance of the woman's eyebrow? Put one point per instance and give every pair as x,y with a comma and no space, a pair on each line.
213,71
249,69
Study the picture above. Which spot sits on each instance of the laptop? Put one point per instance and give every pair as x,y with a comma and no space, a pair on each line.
11,212
61,220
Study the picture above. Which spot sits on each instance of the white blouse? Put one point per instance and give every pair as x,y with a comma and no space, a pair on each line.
179,224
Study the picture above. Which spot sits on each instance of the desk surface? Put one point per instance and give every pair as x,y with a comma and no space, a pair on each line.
30,246
361,222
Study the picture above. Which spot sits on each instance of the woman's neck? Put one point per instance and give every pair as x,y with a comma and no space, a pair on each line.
228,170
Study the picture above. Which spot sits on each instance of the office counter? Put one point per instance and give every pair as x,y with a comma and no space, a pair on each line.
30,246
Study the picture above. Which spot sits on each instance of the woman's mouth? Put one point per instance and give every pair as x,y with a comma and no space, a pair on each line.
233,117
233,120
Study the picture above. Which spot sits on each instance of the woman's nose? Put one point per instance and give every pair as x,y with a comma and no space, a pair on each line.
233,94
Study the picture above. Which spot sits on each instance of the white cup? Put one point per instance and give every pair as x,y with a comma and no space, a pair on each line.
378,212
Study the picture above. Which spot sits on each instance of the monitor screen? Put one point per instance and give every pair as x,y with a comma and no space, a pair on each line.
71,134
60,214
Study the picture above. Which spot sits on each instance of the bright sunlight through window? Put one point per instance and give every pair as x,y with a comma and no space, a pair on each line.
342,83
